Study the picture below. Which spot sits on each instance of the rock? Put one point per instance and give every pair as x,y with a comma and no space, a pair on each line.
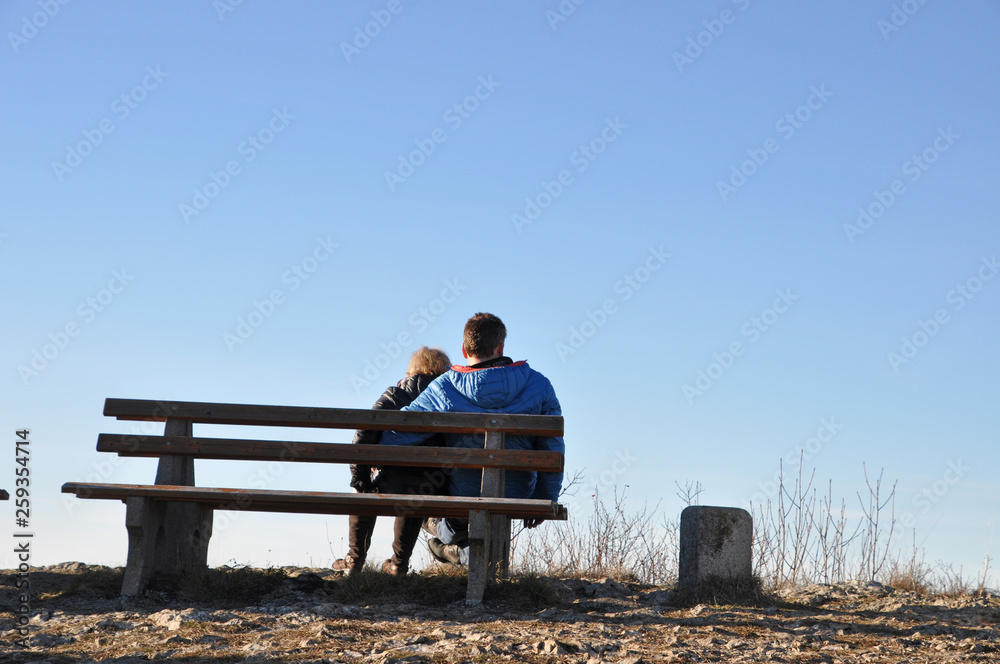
172,620
307,582
81,628
416,640
551,647
632,659
606,588
323,631
325,610
113,625
48,640
661,597
211,640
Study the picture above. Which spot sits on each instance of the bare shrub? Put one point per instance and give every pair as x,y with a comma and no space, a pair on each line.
874,555
690,492
613,542
800,537
911,575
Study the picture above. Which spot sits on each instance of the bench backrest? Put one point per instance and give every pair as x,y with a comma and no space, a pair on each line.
332,418
181,442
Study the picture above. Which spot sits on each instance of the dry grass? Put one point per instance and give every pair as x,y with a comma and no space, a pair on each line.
523,592
100,583
437,585
725,592
614,542
227,586
801,537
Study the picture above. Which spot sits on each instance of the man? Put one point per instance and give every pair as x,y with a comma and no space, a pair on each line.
491,383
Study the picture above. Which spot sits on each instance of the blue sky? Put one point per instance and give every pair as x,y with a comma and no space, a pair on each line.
642,191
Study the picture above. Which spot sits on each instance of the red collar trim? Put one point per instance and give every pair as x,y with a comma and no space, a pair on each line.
464,369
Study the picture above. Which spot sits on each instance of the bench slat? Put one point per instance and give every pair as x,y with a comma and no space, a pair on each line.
332,418
317,502
378,455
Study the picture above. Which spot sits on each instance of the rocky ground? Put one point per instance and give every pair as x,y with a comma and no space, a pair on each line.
305,618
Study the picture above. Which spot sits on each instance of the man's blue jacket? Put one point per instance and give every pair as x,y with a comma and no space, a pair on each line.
511,388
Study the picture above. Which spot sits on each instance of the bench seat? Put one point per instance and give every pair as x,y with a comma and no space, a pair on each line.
320,502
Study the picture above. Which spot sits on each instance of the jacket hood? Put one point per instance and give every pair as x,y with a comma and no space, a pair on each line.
493,388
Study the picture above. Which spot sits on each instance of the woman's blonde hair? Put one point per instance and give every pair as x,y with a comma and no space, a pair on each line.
426,360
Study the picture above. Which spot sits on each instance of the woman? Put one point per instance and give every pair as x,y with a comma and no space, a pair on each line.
426,364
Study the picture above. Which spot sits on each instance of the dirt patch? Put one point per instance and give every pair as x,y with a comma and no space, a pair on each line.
314,615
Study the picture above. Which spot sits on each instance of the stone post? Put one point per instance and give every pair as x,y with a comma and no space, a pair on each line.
715,542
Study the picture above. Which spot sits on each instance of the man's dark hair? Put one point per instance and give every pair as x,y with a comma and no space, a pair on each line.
483,333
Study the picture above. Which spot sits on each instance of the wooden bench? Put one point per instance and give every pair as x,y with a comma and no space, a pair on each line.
169,523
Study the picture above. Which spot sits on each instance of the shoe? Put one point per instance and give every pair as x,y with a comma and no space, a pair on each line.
431,525
445,553
393,569
347,564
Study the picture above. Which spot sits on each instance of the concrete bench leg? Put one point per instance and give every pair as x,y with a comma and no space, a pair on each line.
489,552
479,540
498,563
489,534
166,537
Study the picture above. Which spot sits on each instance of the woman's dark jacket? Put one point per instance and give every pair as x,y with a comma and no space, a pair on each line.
401,394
